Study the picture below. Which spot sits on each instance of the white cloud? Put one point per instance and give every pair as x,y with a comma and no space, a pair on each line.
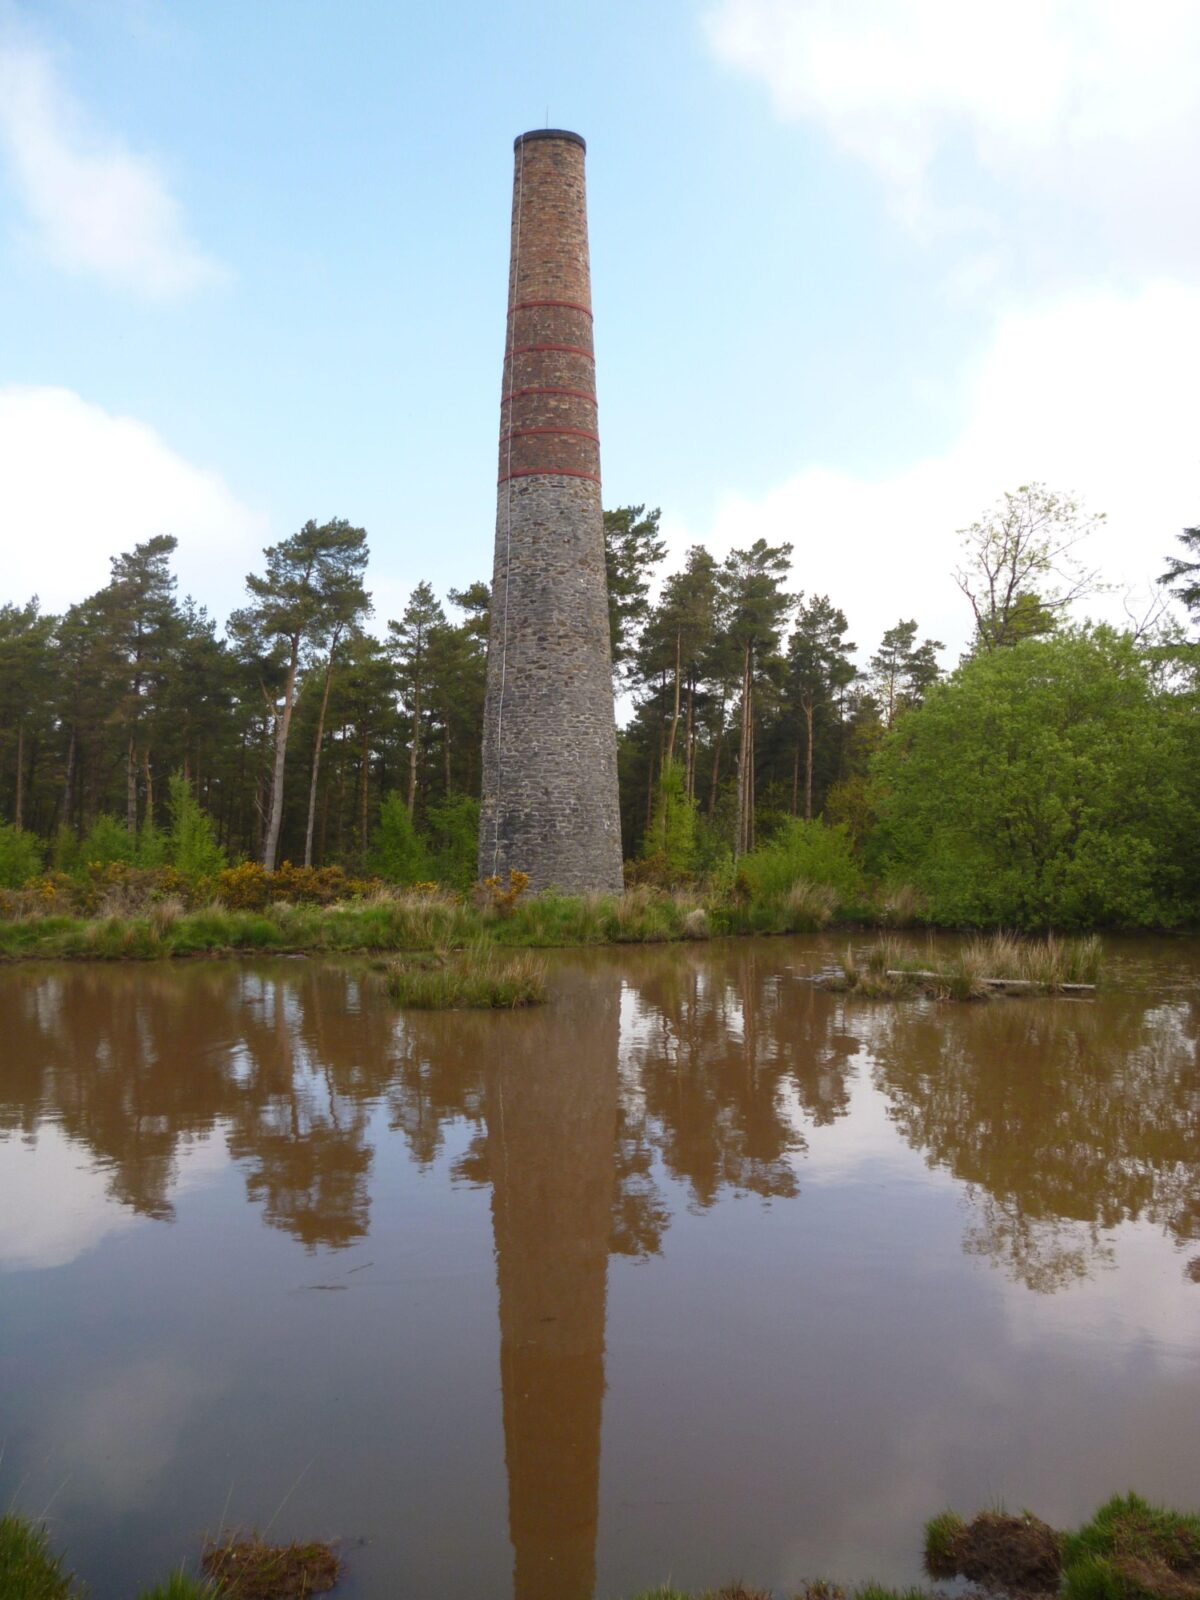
55,1202
1090,103
1095,395
95,206
78,485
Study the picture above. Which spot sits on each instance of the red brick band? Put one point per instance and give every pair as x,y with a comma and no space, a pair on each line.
571,349
547,472
565,433
517,394
564,305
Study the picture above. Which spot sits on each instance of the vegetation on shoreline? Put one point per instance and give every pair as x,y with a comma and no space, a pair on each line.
239,1568
1129,1550
377,918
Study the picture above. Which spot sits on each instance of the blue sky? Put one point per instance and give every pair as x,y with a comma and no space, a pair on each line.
858,267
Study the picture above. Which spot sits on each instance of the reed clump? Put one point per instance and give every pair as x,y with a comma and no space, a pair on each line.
979,969
481,977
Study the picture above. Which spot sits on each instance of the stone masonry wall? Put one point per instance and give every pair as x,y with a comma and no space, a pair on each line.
550,804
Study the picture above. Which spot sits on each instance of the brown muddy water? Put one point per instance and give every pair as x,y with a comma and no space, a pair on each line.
695,1273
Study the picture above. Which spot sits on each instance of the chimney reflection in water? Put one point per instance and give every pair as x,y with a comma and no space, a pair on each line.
551,1107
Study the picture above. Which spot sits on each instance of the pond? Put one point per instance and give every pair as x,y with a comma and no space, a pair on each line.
697,1272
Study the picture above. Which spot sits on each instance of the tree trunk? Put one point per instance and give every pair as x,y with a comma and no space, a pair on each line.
364,793
414,748
739,828
131,805
316,760
69,780
716,766
19,799
282,728
149,786
750,793
808,759
796,779
675,709
689,743
446,756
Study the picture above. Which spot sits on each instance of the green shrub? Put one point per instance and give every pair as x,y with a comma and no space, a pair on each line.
106,841
398,852
669,844
809,852
20,856
194,850
153,846
1046,784
64,849
453,826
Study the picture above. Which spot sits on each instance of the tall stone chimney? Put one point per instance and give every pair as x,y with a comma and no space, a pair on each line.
550,804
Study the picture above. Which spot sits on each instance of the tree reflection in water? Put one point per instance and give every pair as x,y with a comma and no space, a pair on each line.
1064,1118
702,1068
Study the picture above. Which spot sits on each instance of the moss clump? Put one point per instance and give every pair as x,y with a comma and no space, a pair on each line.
1018,1555
249,1569
480,977
29,1569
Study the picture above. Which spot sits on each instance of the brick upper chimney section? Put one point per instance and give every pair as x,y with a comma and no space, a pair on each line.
548,409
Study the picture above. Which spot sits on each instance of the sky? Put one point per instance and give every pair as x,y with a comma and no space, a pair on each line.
859,266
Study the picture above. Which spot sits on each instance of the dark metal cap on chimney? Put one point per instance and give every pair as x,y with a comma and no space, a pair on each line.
550,133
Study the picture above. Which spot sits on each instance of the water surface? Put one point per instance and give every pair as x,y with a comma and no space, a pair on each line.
696,1273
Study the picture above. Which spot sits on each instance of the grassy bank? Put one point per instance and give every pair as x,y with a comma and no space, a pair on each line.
398,921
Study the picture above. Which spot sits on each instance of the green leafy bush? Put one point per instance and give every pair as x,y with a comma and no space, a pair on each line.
153,847
106,841
398,852
453,826
802,852
669,845
20,856
1048,783
194,850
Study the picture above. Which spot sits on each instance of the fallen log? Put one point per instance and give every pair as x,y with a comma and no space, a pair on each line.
996,983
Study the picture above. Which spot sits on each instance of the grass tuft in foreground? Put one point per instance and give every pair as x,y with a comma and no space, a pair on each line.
942,1535
28,1567
480,977
182,1586
1132,1550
